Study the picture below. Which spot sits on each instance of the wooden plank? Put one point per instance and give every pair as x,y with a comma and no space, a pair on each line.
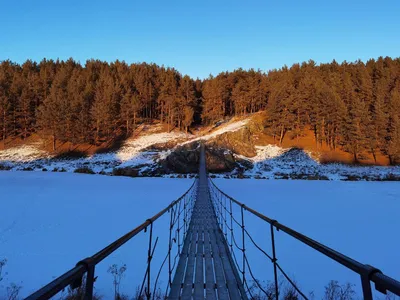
199,277
230,278
180,269
218,268
209,269
188,280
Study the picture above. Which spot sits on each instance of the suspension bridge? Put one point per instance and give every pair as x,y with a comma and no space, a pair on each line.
207,253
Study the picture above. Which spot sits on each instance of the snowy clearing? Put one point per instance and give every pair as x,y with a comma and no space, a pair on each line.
273,161
50,221
53,220
132,153
359,219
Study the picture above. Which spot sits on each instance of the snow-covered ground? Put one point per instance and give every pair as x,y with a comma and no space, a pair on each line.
221,129
273,161
50,221
359,219
134,152
140,152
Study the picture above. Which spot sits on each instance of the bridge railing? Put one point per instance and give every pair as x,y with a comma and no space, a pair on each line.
224,207
179,211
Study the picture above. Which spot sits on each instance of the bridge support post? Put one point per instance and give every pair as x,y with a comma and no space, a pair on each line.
149,258
89,282
366,287
366,281
274,259
170,247
225,221
243,247
221,214
185,221
231,214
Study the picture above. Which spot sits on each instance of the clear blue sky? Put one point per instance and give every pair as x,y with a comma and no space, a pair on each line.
200,37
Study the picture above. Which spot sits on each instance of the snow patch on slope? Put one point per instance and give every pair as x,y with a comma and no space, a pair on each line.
230,127
132,147
24,153
131,154
267,152
134,152
272,161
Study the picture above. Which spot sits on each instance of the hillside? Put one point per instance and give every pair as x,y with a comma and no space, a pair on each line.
237,147
354,107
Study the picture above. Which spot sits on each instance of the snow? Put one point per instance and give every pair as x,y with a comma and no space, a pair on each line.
24,153
133,147
273,161
229,127
50,221
132,153
359,219
53,220
269,151
135,152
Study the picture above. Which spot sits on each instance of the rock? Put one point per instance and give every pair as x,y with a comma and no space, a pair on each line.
185,159
219,153
128,171
4,167
244,164
219,160
84,170
239,142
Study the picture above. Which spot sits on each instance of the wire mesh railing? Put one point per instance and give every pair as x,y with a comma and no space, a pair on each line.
231,218
83,274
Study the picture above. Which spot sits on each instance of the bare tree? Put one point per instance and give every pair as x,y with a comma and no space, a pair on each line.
118,274
3,262
335,291
13,291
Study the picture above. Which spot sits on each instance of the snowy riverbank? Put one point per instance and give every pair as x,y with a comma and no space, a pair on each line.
53,220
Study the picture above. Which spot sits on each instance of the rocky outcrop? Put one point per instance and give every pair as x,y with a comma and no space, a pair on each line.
220,152
239,142
220,160
185,159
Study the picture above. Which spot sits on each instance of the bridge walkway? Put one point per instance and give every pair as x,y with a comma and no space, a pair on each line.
205,269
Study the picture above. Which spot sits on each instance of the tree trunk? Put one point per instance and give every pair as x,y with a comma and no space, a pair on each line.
97,133
373,154
54,142
316,135
282,135
4,127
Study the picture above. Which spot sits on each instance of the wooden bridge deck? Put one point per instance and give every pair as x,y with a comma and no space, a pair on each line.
205,269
